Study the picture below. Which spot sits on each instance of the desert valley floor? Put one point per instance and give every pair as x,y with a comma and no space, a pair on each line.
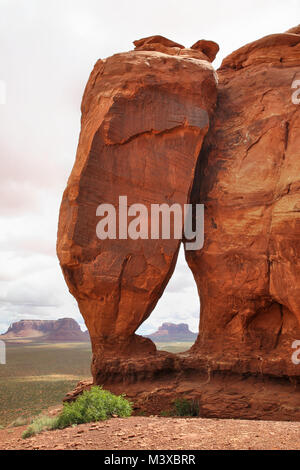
40,374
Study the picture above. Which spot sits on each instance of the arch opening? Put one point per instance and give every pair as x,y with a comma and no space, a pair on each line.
174,323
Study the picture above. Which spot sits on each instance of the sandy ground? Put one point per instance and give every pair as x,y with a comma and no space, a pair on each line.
157,433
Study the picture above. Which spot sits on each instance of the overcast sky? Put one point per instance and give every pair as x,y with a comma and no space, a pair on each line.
48,49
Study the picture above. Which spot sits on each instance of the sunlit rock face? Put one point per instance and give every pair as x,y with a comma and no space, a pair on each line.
144,117
248,177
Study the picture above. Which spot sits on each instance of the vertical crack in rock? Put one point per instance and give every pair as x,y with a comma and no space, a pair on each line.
280,329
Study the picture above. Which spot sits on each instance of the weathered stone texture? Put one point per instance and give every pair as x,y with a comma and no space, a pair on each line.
144,116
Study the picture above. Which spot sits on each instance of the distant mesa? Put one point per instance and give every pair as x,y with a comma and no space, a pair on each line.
173,332
64,329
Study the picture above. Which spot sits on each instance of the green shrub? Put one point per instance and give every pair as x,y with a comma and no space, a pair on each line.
183,407
167,413
93,405
39,424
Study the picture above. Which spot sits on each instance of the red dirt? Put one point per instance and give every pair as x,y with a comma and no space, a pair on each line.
153,433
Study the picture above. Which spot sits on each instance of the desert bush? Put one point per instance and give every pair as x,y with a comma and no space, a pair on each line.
93,405
39,424
184,407
20,421
167,413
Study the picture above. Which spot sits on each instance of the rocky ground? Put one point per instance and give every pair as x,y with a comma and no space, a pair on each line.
153,433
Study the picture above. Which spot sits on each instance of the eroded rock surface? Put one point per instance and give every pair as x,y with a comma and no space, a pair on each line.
144,116
248,177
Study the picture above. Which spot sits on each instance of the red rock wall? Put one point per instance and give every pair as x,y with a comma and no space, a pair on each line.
248,177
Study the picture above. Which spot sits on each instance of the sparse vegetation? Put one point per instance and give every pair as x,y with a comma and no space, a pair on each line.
37,376
41,423
93,405
20,421
182,407
166,413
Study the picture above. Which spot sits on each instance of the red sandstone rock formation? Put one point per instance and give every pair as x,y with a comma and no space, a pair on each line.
144,116
248,177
